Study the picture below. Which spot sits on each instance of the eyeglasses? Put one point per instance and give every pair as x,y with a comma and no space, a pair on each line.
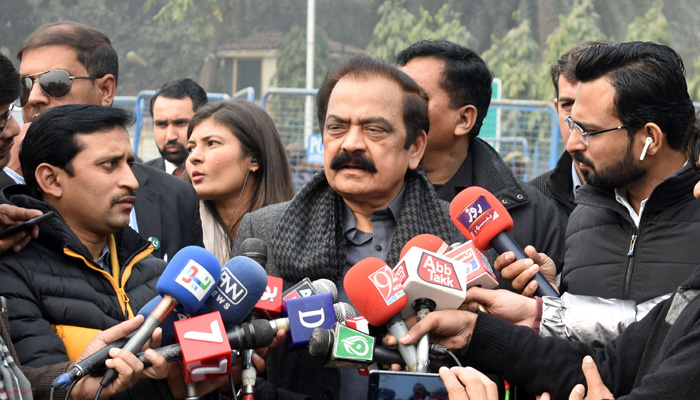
54,83
6,119
584,135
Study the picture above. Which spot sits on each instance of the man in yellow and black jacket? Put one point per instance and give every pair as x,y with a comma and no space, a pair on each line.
87,270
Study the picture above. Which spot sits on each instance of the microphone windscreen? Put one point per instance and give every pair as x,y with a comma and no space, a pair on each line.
480,216
325,286
374,290
256,249
343,311
425,241
242,283
190,277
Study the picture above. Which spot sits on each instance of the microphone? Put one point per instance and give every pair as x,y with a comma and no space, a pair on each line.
432,282
307,313
242,283
306,288
484,220
270,303
345,347
425,241
255,249
479,271
250,335
188,279
255,334
205,353
378,295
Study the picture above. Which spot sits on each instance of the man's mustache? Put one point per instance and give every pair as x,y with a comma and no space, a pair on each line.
346,158
581,159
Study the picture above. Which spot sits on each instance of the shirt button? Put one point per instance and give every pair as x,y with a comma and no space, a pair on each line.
378,247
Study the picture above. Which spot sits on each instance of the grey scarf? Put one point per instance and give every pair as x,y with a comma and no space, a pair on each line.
309,239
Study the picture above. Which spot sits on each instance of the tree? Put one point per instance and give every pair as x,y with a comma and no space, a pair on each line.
513,59
653,27
398,28
291,65
577,27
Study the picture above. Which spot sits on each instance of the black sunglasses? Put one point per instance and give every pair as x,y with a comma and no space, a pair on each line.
54,83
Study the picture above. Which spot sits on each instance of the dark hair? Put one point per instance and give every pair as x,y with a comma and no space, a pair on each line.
52,136
179,89
466,78
566,64
650,86
94,49
415,102
9,81
259,138
694,144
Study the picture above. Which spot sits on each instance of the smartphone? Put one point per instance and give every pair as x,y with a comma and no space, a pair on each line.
395,385
26,225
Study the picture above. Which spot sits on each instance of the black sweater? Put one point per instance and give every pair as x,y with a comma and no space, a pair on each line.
655,358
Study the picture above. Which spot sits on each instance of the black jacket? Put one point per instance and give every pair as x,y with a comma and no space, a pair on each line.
608,256
535,218
558,185
167,208
58,297
655,358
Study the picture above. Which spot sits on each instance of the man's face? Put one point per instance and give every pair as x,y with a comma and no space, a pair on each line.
103,179
8,135
363,138
607,162
427,72
564,104
52,57
170,120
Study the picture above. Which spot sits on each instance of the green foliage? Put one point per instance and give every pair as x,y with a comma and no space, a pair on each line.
291,65
398,28
200,13
579,26
694,83
653,27
513,60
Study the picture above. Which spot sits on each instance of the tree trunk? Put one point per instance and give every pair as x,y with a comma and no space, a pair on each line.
548,18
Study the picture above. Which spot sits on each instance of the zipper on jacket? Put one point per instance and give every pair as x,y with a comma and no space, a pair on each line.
628,269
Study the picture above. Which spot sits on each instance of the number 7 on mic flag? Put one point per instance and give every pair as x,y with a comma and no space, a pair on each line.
206,351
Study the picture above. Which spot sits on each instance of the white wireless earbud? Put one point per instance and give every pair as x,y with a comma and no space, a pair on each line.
647,143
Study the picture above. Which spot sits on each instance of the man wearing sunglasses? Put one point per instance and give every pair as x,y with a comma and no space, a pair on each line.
70,63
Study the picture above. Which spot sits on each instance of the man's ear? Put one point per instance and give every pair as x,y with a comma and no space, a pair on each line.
652,139
48,178
416,150
467,119
107,85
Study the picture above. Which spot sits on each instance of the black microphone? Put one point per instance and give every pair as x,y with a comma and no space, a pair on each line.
250,335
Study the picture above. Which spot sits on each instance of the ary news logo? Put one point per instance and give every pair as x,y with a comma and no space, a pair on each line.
230,290
476,215
387,284
196,279
354,344
438,272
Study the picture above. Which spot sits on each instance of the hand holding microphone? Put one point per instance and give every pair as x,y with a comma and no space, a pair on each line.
129,368
520,272
483,219
188,280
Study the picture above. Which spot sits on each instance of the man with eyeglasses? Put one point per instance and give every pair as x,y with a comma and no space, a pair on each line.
561,183
631,239
70,63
